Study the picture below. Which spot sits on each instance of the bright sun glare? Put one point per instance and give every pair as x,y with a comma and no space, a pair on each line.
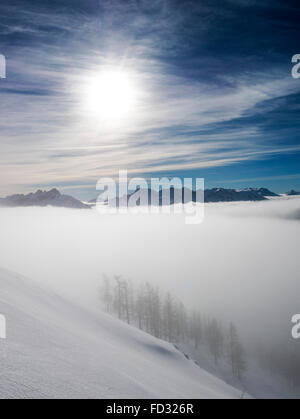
111,95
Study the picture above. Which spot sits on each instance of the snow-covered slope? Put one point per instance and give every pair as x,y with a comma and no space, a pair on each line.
55,349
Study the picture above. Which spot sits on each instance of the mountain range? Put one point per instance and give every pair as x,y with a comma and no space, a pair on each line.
42,199
210,195
54,198
293,193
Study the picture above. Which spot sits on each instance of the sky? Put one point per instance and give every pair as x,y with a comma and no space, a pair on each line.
210,82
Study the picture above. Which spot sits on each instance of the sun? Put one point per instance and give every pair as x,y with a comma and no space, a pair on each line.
111,94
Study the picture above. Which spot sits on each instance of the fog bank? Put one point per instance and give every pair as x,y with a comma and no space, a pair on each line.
242,263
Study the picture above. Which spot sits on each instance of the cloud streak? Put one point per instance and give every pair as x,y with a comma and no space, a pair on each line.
180,121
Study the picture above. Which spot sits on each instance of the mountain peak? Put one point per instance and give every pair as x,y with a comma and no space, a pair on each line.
42,199
262,191
293,193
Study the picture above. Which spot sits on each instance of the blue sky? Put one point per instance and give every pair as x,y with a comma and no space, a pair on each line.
214,96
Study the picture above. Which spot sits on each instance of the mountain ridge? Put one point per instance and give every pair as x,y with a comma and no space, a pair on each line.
292,192
42,199
54,198
210,195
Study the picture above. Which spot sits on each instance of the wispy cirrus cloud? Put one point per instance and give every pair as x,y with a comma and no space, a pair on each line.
193,109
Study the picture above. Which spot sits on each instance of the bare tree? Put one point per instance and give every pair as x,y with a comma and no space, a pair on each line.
196,329
155,312
118,298
106,294
140,306
168,318
236,352
181,321
215,339
126,300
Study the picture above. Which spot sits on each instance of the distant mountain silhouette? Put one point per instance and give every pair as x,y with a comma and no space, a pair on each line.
232,195
185,195
42,199
293,193
54,198
262,191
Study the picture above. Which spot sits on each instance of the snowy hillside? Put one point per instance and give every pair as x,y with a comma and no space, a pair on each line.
55,349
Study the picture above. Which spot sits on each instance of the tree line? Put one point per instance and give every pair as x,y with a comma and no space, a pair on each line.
165,317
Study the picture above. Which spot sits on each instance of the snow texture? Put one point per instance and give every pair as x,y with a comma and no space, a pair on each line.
57,349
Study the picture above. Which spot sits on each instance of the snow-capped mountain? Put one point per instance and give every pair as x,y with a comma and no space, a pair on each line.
42,199
56,349
262,191
210,195
293,193
230,195
55,198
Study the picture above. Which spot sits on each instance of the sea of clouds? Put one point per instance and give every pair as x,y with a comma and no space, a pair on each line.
242,263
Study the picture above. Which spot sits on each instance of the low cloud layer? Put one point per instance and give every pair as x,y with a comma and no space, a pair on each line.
242,263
